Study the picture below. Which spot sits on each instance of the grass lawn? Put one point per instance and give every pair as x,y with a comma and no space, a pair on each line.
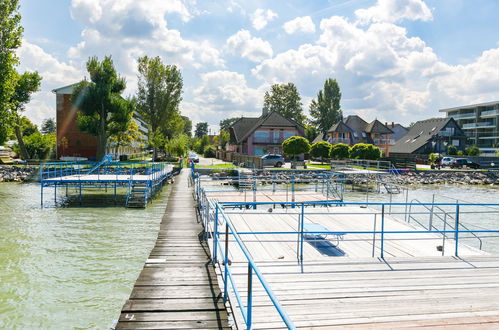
321,166
225,166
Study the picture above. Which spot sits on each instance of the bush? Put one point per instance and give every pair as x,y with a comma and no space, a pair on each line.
295,145
39,146
365,151
340,151
473,151
320,150
210,151
460,153
451,150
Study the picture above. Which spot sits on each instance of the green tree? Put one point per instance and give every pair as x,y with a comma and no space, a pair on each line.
326,109
158,97
178,146
320,150
210,151
295,145
187,126
340,151
39,146
285,100
201,144
26,126
223,138
126,138
226,123
473,151
11,33
26,84
201,130
48,126
103,112
311,132
365,151
452,150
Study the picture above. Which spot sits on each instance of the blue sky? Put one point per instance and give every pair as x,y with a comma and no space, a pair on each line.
395,60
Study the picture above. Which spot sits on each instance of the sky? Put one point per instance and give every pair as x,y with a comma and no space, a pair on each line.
395,60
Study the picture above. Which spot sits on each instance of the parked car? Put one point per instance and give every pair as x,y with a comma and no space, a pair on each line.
273,160
447,161
463,162
193,158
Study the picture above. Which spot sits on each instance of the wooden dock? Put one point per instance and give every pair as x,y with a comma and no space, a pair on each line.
177,289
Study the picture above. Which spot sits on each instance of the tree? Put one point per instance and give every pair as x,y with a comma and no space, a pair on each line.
187,126
295,145
210,151
201,130
452,150
26,126
223,138
473,151
39,146
103,112
178,146
10,39
320,150
311,132
225,124
48,126
126,138
326,109
201,144
26,84
285,100
365,151
158,97
340,151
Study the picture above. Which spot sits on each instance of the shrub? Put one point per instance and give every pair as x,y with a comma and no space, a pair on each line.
473,151
39,146
365,151
452,150
295,145
210,151
460,153
340,151
320,150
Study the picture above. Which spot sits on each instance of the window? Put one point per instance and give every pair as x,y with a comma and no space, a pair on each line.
363,134
288,134
276,135
261,135
355,134
259,152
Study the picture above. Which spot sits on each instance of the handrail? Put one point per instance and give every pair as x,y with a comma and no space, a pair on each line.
251,268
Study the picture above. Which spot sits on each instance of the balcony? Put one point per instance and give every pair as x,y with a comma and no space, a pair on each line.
339,140
471,115
384,142
268,140
489,113
481,124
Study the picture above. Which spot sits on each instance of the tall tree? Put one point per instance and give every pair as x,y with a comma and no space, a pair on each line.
103,112
187,126
48,126
10,39
158,97
26,85
226,123
286,100
326,109
201,130
127,137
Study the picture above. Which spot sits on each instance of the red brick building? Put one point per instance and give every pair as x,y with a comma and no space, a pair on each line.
71,142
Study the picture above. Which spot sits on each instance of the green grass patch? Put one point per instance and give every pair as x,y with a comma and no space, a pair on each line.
225,166
321,166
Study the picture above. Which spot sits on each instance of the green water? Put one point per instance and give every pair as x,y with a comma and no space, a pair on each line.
69,267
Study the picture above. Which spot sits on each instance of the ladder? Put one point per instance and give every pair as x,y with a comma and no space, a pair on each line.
137,195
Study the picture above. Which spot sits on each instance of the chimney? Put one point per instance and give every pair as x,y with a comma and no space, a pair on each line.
386,123
393,124
265,111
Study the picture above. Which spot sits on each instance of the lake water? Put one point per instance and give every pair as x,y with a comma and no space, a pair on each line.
73,267
69,267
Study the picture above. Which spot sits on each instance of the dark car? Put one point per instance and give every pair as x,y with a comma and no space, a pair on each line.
193,158
273,160
463,162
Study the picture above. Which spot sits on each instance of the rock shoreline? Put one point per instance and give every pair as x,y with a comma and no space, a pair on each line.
18,173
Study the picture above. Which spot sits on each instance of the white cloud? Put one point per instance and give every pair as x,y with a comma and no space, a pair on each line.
54,73
394,11
300,24
261,17
252,48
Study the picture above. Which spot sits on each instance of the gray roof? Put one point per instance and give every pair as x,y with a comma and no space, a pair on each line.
340,127
318,138
377,127
485,104
420,134
245,126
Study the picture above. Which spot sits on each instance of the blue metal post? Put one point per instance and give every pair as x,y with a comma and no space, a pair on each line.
456,228
226,263
249,306
302,217
215,235
382,230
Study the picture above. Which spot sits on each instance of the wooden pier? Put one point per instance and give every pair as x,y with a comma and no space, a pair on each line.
177,289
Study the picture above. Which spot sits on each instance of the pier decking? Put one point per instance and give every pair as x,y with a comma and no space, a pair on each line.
177,289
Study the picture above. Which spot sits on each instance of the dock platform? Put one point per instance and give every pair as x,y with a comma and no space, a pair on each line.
177,289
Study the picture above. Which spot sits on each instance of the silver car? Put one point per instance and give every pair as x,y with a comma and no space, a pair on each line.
274,160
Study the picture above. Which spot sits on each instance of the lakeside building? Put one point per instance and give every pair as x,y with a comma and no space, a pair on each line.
72,142
480,123
353,129
261,135
431,135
